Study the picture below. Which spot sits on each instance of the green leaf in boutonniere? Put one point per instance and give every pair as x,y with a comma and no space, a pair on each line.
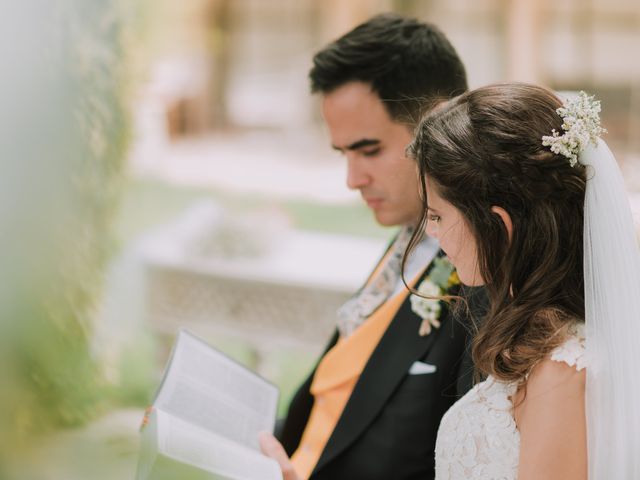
441,271
441,277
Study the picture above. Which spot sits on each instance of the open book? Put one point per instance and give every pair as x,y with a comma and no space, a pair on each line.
206,418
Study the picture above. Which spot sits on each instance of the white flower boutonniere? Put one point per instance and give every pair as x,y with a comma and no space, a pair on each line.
436,284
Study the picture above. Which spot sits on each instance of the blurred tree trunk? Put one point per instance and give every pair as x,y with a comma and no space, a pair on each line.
523,40
412,8
219,18
338,16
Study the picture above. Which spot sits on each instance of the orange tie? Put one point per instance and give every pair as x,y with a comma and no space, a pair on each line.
335,379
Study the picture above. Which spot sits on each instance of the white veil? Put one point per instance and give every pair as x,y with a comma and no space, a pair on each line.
612,301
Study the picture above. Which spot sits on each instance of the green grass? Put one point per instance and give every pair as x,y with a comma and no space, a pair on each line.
150,203
353,219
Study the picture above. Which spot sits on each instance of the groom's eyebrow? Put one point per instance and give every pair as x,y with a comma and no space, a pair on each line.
365,142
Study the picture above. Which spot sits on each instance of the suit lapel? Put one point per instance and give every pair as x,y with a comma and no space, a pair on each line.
300,408
399,347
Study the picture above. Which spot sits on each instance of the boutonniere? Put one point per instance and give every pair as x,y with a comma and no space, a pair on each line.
436,284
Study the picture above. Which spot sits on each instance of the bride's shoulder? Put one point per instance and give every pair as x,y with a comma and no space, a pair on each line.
565,364
553,395
559,379
551,414
551,404
564,376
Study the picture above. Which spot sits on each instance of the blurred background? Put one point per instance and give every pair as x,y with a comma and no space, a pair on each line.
165,166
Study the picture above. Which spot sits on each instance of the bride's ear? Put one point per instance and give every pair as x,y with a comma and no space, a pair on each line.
506,219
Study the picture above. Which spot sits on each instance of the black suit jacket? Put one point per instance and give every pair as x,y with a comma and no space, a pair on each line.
389,425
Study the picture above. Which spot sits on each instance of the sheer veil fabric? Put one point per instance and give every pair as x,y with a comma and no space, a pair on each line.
612,302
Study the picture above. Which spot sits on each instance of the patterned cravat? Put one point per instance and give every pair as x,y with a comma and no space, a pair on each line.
366,301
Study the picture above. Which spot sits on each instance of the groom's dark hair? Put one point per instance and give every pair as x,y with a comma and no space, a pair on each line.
408,63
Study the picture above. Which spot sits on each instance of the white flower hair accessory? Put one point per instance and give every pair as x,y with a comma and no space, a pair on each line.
581,125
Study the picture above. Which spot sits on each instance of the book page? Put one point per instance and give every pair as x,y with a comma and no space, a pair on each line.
196,446
204,387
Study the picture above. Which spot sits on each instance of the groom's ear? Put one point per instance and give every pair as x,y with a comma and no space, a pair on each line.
506,219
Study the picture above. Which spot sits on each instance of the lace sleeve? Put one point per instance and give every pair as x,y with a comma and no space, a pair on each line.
572,351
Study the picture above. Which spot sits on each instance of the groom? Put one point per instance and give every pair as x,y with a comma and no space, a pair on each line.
371,408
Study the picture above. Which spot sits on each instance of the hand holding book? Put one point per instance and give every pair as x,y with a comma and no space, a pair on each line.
272,448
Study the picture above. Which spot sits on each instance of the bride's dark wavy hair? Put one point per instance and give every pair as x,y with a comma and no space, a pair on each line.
484,149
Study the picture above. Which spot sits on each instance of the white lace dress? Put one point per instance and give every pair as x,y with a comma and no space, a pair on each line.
478,437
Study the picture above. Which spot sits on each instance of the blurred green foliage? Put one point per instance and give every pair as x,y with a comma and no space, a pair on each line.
62,177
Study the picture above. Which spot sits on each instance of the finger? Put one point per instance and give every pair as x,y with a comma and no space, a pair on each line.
272,448
145,419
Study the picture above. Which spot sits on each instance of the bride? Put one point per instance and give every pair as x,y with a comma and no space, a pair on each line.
528,201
